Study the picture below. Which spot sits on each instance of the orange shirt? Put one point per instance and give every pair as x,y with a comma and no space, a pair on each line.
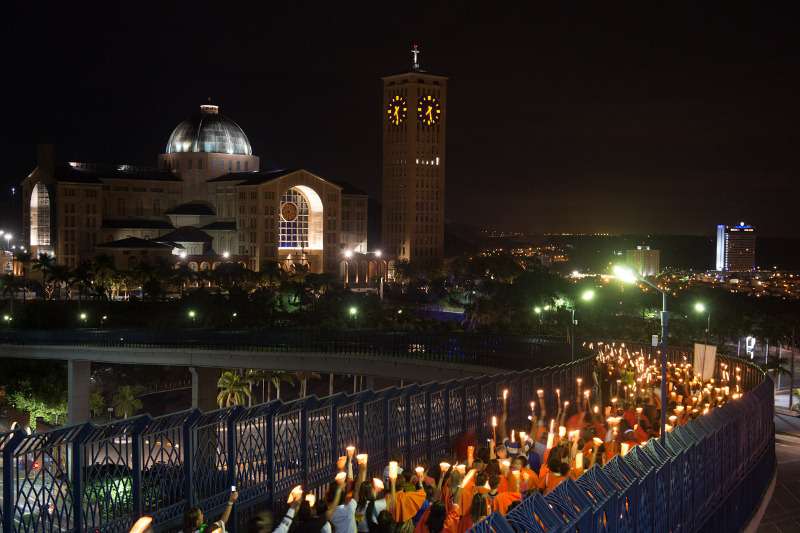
407,504
575,422
422,527
551,481
531,483
503,500
452,520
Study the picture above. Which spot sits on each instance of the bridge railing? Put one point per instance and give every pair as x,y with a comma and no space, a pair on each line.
88,478
497,351
710,475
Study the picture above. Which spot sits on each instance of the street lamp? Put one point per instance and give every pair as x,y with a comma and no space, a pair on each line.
353,311
627,275
586,296
83,317
192,315
700,307
103,320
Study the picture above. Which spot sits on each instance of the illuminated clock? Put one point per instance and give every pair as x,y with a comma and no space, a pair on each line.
289,211
428,110
396,110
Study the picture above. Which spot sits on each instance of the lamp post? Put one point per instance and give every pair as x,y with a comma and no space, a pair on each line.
627,275
700,307
586,296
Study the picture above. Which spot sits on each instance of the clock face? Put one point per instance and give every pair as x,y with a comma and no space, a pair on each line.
396,110
428,110
289,211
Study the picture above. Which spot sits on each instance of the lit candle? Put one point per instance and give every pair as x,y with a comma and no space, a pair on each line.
470,454
597,441
624,448
377,484
579,460
562,430
550,440
505,464
494,428
512,435
295,493
312,498
419,471
361,458
462,468
444,467
540,393
552,424
341,477
505,394
351,450
392,469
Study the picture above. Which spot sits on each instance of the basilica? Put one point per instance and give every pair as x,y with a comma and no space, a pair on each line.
208,200
205,202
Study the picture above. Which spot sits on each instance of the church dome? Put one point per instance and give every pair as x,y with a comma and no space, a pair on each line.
209,131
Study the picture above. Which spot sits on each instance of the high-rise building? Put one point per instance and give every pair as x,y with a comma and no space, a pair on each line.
414,124
736,247
644,260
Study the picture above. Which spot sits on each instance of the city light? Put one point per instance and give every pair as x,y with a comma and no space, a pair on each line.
353,311
192,314
588,295
83,317
624,274
182,255
226,255
700,307
378,253
7,318
537,310
348,254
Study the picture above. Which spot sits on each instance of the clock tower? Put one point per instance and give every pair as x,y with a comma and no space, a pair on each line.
414,120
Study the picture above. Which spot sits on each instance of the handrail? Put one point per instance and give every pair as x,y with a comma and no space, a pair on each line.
87,477
513,352
711,474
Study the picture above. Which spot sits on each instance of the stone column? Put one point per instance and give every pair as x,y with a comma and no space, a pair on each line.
204,388
78,374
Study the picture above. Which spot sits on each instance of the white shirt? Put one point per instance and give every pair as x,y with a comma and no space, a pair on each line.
344,517
380,505
286,521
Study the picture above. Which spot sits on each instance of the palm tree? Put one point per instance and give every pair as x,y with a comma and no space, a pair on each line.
234,389
303,376
44,264
125,401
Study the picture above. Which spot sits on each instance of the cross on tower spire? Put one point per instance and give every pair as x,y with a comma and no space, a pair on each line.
415,57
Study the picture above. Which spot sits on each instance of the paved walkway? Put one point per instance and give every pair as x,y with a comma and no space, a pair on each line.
783,512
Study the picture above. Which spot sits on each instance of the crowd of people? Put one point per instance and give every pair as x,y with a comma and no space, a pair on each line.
617,408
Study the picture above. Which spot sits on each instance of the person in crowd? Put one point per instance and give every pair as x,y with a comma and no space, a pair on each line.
194,520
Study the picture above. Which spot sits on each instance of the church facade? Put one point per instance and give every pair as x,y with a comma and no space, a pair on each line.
207,201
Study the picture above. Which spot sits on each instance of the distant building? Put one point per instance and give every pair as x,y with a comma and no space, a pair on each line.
644,260
736,247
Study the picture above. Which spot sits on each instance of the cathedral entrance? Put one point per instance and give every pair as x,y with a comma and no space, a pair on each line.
300,229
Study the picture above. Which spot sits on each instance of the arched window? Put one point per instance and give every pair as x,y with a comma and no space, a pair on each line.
294,220
40,216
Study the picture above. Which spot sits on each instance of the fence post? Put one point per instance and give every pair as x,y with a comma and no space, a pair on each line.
77,486
136,466
230,442
8,494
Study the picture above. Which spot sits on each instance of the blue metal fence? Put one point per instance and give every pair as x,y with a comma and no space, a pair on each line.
100,478
710,475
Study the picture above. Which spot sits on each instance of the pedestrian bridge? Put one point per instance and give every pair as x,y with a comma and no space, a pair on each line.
708,475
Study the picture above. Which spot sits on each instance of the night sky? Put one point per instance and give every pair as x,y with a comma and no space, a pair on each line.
590,119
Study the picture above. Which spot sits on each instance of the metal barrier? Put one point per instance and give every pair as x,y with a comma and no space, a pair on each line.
512,352
710,476
90,478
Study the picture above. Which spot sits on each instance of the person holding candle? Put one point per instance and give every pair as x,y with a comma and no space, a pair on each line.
343,515
407,502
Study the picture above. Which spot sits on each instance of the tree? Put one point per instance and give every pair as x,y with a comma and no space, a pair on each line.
44,264
233,389
97,404
303,377
125,401
37,408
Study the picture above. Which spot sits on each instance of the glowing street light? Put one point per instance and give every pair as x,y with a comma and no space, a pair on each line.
378,253
192,314
7,318
348,254
537,310
588,295
83,317
627,275
226,255
353,311
701,308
